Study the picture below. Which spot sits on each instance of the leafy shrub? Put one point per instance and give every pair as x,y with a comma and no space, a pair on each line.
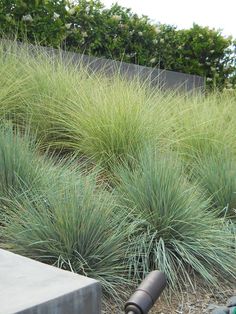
176,232
39,20
205,52
118,33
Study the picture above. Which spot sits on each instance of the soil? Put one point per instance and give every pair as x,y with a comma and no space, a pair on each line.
199,301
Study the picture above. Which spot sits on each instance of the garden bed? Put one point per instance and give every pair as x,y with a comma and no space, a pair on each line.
110,178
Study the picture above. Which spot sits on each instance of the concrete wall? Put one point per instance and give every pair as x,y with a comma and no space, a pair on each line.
30,287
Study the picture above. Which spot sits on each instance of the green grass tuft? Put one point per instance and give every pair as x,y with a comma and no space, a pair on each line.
216,174
52,212
176,233
19,166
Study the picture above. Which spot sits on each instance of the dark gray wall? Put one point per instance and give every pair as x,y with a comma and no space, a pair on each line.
156,77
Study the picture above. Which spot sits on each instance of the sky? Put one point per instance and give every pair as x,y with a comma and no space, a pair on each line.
183,13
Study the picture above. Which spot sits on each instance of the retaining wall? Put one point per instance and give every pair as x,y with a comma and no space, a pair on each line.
30,287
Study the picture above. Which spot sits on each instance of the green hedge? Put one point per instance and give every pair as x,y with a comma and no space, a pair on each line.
120,34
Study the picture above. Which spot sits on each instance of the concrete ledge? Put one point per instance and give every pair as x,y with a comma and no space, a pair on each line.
30,287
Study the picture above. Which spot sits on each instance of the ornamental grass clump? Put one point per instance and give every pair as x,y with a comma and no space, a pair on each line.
205,138
115,123
176,233
53,212
20,166
69,108
13,81
203,124
108,120
72,226
216,173
46,80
